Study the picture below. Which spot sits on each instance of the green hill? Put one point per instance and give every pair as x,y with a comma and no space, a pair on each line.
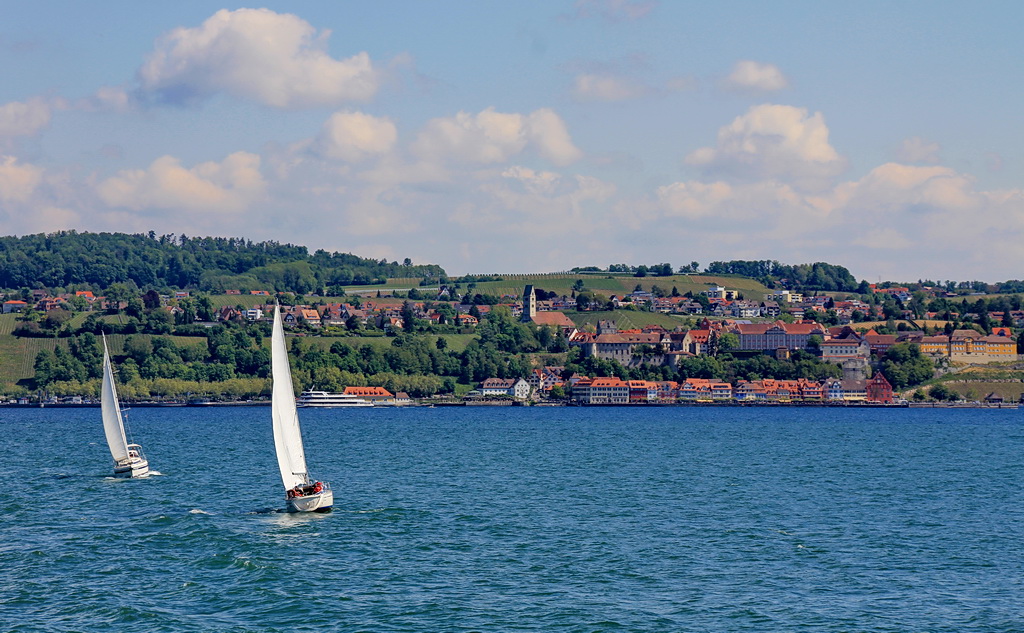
619,284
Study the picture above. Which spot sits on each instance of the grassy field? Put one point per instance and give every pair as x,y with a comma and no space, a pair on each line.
18,355
867,325
618,284
979,390
456,342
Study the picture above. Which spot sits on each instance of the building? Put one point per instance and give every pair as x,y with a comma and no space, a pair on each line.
879,390
14,306
768,337
841,350
601,391
515,387
529,303
705,390
374,394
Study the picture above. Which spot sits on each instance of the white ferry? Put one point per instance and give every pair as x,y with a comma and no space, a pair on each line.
325,399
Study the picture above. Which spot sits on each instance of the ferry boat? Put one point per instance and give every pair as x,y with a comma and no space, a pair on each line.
326,399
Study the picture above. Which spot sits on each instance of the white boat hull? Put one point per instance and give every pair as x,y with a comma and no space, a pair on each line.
333,405
134,469
320,502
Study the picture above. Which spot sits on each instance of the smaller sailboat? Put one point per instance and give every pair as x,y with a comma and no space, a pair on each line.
301,493
129,460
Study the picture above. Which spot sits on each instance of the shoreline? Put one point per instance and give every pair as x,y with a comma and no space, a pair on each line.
500,403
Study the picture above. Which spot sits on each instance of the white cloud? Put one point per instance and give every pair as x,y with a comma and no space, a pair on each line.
276,59
548,133
918,150
773,141
606,87
23,118
352,136
754,76
493,137
892,189
107,99
228,186
17,182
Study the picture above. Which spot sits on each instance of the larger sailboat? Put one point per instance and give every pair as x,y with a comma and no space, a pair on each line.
129,461
301,494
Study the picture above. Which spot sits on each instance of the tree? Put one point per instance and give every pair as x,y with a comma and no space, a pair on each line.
728,341
408,317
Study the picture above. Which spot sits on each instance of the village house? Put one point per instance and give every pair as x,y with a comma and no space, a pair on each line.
515,387
15,305
705,390
601,391
879,390
542,380
841,350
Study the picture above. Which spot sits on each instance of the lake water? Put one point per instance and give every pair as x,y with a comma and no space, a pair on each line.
520,519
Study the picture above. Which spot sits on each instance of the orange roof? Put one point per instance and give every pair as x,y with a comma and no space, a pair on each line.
368,391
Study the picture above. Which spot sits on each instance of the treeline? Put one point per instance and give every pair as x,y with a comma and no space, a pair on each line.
68,259
418,365
818,276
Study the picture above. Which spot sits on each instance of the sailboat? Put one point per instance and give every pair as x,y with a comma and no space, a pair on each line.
301,494
129,461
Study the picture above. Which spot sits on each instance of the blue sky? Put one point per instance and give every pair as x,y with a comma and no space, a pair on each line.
528,136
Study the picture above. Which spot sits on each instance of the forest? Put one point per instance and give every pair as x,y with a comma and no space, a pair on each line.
95,261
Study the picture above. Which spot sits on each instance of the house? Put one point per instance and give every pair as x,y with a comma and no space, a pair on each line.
750,391
880,343
374,394
48,304
879,390
844,349
784,296
705,390
746,309
253,314
770,309
855,391
312,317
14,305
542,380
601,391
515,387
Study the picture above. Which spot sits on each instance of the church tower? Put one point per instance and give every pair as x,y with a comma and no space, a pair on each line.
529,304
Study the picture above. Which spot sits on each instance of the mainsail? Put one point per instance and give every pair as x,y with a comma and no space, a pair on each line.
112,424
287,438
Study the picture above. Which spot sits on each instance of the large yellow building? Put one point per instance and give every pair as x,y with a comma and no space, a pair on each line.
970,346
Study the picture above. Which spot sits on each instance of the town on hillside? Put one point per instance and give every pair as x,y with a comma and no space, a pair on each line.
784,325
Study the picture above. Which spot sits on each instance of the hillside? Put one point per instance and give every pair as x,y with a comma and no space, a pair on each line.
619,284
214,264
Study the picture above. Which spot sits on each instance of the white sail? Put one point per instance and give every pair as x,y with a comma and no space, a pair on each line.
287,438
112,423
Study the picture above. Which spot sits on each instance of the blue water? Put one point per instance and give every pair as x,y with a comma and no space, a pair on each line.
500,519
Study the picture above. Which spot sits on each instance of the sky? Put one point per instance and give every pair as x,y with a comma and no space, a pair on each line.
529,136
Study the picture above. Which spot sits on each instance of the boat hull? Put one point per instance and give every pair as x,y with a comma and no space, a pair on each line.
135,469
320,502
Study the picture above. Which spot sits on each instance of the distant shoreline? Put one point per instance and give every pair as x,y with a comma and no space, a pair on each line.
830,405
